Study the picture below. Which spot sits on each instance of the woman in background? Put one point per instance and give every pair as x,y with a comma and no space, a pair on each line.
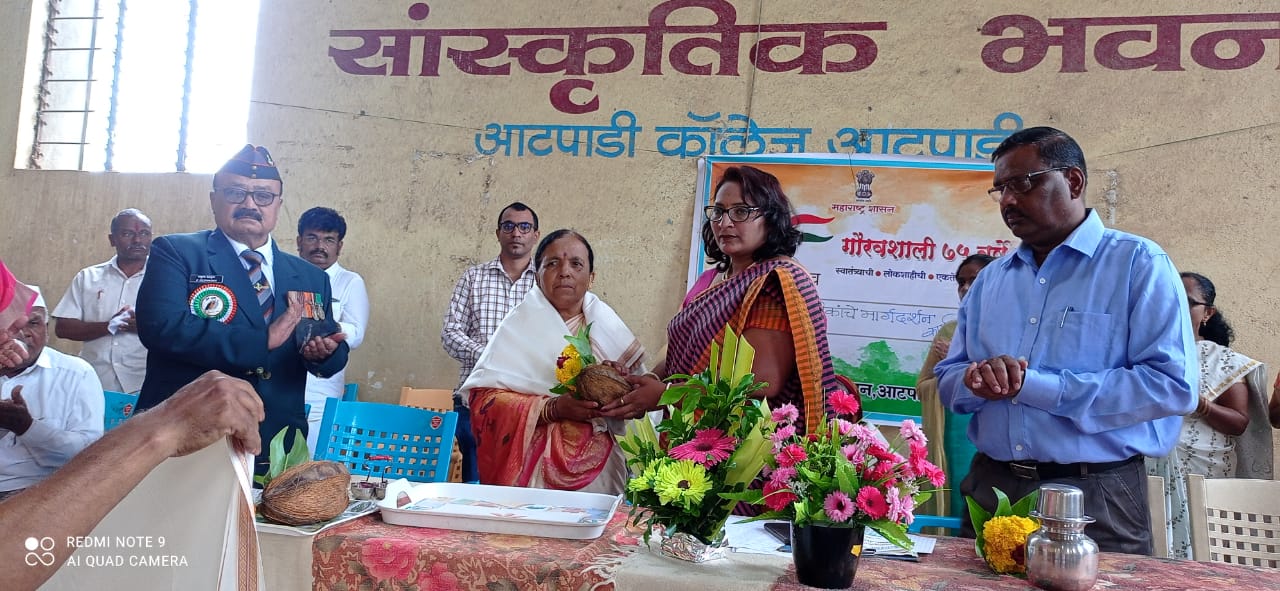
760,291
1228,435
951,449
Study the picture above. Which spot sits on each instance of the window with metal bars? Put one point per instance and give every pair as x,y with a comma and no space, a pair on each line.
138,85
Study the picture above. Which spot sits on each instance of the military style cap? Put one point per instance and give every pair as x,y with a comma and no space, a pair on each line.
252,162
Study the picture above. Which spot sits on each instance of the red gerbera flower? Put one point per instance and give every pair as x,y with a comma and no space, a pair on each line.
791,455
708,447
777,496
871,501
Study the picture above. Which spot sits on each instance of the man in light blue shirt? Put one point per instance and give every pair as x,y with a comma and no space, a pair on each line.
1074,353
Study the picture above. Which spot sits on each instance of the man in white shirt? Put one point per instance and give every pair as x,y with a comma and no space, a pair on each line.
98,306
482,297
51,407
321,231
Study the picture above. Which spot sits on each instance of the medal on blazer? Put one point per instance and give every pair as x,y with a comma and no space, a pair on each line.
213,301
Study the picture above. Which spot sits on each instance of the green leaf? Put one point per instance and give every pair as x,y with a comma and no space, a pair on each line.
746,355
1002,503
847,478
714,366
1024,505
728,356
977,516
894,532
276,458
298,454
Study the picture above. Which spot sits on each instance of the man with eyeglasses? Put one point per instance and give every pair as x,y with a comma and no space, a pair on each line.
1074,353
482,297
321,231
98,308
229,299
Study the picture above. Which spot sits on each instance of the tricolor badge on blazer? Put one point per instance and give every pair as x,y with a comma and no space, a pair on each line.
213,301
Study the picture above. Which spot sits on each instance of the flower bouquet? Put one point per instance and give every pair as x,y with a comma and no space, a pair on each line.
711,446
1002,536
579,375
833,483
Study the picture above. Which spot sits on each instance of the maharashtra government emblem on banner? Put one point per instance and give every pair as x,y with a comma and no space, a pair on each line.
864,176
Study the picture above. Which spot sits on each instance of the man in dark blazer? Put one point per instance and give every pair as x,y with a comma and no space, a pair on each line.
229,299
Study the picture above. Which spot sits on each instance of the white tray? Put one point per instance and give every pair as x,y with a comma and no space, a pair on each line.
499,509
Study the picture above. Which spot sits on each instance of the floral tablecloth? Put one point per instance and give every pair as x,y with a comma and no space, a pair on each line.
369,554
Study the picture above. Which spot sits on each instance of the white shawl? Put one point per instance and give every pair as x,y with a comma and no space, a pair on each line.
521,355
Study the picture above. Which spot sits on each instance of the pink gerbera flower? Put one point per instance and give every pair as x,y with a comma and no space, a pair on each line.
934,474
841,426
855,454
843,403
838,506
871,501
864,434
911,432
900,506
783,474
783,434
708,447
787,413
791,455
777,496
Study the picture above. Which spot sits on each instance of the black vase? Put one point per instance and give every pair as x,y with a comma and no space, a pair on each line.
825,556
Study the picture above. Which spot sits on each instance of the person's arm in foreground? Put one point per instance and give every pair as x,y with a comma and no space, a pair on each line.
74,499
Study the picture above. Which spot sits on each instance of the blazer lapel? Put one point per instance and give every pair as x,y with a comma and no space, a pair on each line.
226,262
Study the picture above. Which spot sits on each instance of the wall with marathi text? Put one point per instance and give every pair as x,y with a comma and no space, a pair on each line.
420,121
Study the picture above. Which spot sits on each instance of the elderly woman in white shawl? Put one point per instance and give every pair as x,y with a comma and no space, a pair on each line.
1227,436
526,435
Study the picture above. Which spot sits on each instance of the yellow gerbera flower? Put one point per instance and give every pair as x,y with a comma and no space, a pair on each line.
1005,542
683,482
645,480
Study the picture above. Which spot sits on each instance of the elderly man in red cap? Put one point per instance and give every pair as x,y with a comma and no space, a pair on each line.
229,299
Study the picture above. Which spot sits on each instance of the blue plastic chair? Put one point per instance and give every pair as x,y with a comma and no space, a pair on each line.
922,521
349,392
417,441
118,407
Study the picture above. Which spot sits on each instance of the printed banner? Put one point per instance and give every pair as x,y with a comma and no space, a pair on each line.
883,237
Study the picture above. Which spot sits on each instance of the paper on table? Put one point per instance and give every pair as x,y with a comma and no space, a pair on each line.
750,537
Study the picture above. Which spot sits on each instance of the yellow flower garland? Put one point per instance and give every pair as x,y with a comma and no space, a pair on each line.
1006,541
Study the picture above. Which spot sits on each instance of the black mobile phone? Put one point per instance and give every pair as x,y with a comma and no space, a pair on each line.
781,530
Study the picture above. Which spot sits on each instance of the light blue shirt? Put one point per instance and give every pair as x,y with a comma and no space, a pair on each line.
1104,327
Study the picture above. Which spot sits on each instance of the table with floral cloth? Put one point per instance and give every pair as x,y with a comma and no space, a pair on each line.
369,554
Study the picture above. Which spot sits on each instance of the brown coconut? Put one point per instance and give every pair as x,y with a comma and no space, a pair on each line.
307,493
601,383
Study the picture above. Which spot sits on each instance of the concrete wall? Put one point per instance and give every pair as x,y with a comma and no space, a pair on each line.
1186,157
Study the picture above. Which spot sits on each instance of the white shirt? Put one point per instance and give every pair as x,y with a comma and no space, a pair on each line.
268,253
65,399
351,310
96,294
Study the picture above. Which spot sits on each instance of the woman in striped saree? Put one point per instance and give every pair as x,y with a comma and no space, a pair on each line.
525,435
760,291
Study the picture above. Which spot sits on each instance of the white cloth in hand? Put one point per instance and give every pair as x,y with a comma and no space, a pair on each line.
118,321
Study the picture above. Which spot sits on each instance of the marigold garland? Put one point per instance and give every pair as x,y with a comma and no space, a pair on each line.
1006,542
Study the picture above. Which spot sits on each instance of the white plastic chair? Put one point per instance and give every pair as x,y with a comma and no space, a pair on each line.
1159,516
1235,520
